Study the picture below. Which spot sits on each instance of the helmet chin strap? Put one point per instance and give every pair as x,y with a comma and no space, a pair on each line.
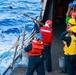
46,25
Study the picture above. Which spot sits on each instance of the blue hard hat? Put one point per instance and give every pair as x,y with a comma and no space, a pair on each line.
70,4
38,36
74,2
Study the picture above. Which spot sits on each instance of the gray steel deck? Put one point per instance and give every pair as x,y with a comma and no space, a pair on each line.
56,52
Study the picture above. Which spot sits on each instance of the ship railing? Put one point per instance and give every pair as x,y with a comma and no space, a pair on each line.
18,45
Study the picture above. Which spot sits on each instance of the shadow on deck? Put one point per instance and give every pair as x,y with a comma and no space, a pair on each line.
56,52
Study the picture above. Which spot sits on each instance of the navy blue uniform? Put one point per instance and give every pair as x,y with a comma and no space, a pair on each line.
70,60
35,63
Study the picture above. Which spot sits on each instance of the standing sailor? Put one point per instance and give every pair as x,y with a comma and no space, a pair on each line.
36,61
46,32
70,49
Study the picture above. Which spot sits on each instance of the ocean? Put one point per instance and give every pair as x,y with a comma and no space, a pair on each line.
12,22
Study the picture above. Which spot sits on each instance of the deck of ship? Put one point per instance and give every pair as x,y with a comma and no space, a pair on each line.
56,52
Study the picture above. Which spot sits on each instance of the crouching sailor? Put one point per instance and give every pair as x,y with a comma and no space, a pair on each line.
35,50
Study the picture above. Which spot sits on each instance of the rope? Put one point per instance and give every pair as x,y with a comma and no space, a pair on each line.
14,45
15,52
17,43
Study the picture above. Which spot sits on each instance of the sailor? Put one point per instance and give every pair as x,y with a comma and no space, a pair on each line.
70,49
69,12
36,61
74,5
71,22
46,32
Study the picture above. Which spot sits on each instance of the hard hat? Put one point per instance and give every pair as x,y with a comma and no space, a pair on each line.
72,21
38,36
49,22
73,29
74,2
73,14
70,4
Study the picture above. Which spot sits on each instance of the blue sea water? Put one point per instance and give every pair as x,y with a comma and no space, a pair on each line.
12,22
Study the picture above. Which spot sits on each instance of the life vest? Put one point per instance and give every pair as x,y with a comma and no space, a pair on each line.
37,48
46,34
71,50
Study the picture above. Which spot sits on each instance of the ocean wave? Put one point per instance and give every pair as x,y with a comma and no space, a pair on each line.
12,30
12,22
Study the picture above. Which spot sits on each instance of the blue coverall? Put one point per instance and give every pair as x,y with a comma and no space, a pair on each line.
35,63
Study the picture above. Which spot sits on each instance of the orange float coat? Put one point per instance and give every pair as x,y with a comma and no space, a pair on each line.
37,48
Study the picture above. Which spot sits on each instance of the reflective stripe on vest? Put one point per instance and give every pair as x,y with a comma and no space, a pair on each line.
46,34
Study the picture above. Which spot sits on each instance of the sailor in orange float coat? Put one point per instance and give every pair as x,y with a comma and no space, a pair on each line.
36,61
